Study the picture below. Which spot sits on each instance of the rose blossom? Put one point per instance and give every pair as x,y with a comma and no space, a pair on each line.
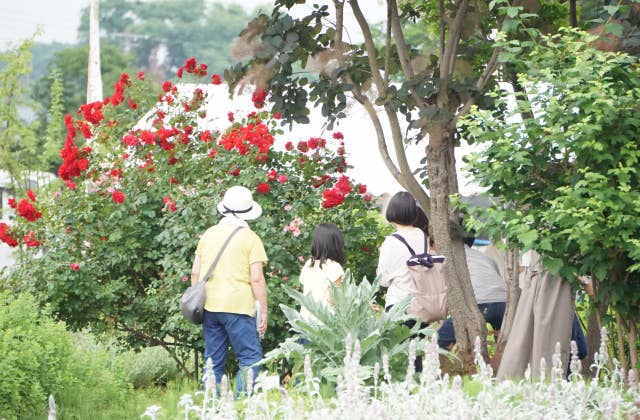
331,198
118,197
263,188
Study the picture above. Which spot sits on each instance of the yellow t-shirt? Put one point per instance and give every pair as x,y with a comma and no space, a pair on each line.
229,287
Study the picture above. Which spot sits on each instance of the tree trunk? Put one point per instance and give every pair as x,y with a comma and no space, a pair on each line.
622,354
511,277
594,324
468,322
633,348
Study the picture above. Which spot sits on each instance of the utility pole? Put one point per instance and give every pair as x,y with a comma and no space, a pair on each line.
94,78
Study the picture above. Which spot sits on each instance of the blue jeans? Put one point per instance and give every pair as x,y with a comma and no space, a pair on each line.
493,314
220,328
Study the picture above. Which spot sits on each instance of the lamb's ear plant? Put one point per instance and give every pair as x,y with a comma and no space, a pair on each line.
378,332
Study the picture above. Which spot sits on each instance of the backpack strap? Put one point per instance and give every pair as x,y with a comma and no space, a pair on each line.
404,241
425,259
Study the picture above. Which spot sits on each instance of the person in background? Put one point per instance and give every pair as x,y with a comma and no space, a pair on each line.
235,285
543,318
324,268
392,270
489,289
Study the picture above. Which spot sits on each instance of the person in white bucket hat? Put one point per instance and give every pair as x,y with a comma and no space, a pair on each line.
238,202
236,283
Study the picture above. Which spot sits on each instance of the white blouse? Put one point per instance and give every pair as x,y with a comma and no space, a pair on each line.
316,282
392,264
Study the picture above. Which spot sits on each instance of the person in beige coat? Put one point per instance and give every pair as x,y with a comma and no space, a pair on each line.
544,317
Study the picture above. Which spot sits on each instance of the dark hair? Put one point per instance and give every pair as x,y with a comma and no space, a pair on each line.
422,221
402,209
469,240
327,243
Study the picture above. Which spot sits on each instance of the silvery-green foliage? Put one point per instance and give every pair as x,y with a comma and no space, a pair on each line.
378,333
434,396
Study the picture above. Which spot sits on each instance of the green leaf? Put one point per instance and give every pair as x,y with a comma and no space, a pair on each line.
528,238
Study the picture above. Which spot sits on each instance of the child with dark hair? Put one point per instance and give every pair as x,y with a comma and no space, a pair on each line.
324,267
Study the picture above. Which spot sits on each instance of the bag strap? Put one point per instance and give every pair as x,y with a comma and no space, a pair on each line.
404,241
215,261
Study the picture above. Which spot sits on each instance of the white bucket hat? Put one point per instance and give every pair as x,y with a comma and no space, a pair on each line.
238,202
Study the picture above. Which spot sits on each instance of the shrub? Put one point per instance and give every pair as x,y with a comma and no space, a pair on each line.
96,377
119,235
35,352
40,357
150,366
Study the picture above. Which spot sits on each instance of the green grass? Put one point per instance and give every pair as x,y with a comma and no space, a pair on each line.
135,404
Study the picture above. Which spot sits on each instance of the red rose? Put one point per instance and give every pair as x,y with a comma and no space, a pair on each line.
85,129
313,143
235,171
213,153
141,75
148,137
282,179
205,136
130,140
190,65
289,146
344,185
12,202
70,184
28,211
263,188
303,146
6,237
258,98
338,135
132,104
331,198
362,188
75,266
166,86
277,115
201,70
216,79
272,175
118,197
31,195
230,116
367,197
169,204
30,240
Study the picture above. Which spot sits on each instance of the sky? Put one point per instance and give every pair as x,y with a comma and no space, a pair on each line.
58,21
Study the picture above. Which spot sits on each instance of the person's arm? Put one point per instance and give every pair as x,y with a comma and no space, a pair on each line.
195,270
259,289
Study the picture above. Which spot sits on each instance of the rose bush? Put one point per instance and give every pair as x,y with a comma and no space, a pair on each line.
118,231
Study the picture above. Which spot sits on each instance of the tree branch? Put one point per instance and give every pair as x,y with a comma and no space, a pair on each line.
410,183
153,341
370,46
447,60
403,50
491,67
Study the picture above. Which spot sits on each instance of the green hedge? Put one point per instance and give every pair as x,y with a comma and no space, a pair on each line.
41,358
